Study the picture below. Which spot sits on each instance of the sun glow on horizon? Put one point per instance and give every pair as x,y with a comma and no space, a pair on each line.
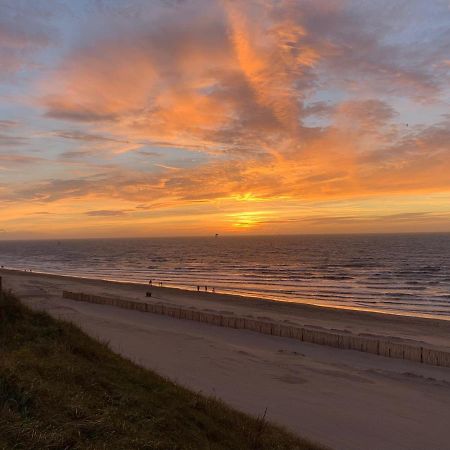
248,219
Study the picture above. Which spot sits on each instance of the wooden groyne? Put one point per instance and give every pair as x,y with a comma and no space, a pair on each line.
345,342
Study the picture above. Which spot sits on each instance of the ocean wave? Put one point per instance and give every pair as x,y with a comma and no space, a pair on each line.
386,273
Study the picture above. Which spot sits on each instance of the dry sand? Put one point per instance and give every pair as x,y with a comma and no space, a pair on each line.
344,399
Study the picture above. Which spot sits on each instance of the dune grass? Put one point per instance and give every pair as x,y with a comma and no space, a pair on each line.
61,389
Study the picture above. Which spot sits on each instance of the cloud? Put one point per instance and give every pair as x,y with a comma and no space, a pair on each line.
336,163
369,115
408,217
59,110
106,213
356,54
54,189
24,30
18,159
86,137
245,87
152,94
9,141
8,124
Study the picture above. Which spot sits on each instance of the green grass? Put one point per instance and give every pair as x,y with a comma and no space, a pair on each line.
61,389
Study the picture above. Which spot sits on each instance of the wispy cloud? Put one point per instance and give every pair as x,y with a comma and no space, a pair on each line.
8,124
24,29
7,140
106,213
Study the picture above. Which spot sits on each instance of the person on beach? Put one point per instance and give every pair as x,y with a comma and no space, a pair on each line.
198,288
206,288
150,282
213,290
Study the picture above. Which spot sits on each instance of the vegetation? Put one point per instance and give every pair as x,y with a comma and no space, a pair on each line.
60,389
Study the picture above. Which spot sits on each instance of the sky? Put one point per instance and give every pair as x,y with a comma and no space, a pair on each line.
164,118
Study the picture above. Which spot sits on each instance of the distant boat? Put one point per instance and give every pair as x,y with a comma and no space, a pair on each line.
216,235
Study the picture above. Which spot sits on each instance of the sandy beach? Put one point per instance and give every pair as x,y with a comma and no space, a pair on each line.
344,399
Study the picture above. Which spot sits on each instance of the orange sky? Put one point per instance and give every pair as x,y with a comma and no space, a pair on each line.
133,118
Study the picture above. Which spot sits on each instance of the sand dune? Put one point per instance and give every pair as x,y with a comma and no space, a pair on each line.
345,399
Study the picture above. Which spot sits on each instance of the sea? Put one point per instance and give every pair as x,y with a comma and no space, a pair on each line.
407,274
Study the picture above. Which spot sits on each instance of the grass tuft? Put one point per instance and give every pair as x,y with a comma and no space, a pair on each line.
61,389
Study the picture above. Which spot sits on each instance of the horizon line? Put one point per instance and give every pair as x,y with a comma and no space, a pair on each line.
213,236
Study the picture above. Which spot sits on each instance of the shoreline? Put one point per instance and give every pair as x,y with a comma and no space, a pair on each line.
409,330
373,313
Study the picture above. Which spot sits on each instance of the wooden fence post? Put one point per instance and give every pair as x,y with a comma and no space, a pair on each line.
1,300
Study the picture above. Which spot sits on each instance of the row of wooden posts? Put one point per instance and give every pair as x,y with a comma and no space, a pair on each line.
342,341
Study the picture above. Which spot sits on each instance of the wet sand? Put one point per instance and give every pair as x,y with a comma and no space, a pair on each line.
341,398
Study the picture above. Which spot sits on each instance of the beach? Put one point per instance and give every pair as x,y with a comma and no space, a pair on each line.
341,398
